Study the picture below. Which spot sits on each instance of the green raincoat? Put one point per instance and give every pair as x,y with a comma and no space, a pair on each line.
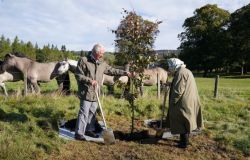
87,70
184,114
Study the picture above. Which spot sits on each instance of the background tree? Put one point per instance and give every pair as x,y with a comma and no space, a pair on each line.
64,51
109,58
5,46
239,30
134,43
16,45
202,42
29,50
48,53
40,56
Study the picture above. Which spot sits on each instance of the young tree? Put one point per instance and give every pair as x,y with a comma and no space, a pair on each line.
4,46
134,44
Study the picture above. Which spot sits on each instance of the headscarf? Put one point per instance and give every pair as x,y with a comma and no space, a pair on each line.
174,64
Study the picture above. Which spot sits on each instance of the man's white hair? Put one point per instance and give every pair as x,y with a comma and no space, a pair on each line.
97,48
174,64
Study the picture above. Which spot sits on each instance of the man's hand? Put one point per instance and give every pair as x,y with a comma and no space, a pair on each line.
129,74
94,83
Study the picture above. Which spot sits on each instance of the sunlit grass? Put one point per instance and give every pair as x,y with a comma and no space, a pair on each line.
28,125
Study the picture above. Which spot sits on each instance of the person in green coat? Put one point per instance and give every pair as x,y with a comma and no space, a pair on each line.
89,74
184,113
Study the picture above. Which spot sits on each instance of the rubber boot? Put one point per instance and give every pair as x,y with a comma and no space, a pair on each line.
184,141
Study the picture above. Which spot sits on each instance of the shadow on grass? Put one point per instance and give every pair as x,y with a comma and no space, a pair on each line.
59,93
42,112
12,117
244,145
47,117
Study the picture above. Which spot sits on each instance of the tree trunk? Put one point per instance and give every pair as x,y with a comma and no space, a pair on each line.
210,70
132,106
205,73
242,70
245,69
227,69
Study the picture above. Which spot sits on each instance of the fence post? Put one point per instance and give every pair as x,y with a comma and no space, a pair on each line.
216,86
165,90
158,87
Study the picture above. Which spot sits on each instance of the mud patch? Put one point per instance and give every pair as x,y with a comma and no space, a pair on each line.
136,136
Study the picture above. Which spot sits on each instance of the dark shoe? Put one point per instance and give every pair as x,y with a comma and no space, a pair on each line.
91,134
98,128
80,137
182,145
184,141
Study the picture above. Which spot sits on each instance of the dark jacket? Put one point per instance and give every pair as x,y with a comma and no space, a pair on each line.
88,69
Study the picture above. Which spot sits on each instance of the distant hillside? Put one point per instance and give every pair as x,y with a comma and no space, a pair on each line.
167,53
81,52
161,53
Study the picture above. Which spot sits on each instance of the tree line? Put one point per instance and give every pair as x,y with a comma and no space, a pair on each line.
47,53
215,40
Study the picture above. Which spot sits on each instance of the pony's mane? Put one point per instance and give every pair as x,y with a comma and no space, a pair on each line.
19,54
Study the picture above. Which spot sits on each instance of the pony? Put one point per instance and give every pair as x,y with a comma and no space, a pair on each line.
150,80
110,80
34,71
64,80
151,75
10,75
68,63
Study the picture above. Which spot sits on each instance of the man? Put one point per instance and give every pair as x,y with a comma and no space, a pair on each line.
184,114
89,74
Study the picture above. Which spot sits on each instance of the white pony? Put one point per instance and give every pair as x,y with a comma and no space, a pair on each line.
12,75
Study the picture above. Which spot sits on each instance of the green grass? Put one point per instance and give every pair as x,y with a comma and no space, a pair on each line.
227,117
28,125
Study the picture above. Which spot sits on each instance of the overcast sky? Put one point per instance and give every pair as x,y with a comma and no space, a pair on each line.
79,24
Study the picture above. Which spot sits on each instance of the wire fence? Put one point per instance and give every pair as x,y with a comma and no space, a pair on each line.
61,80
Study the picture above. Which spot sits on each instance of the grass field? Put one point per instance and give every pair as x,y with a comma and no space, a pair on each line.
28,125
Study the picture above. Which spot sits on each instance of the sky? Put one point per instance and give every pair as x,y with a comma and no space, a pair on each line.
79,24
